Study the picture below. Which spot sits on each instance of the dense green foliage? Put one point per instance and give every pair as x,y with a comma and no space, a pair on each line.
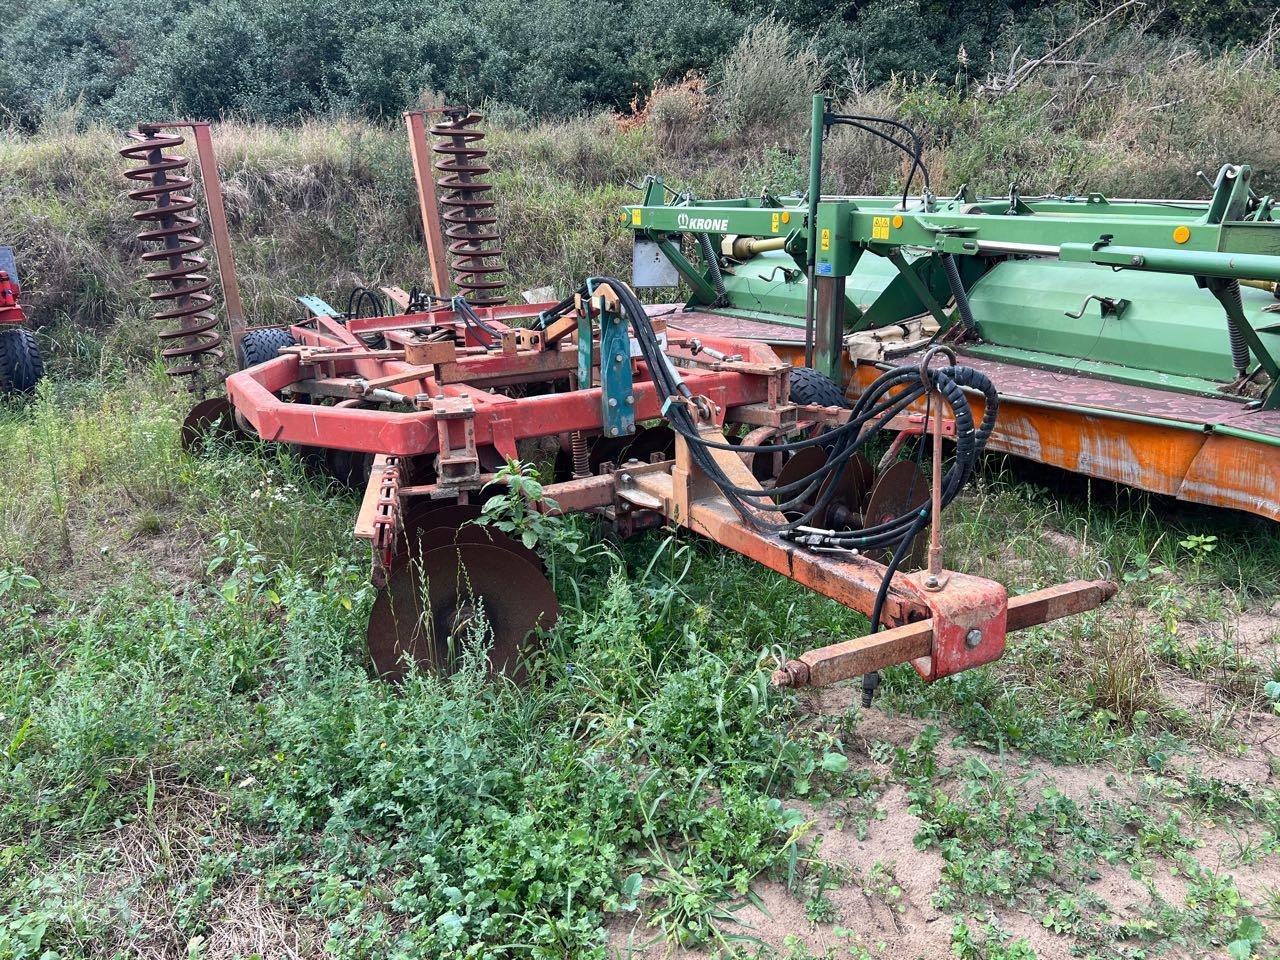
280,59
197,763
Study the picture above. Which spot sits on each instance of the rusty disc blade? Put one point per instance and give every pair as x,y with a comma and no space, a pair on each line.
213,418
765,466
433,602
844,509
864,479
901,489
451,515
806,461
431,538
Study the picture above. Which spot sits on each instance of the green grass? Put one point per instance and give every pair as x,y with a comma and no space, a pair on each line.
186,722
196,763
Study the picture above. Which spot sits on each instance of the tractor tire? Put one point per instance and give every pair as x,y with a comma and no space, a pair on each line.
808,386
259,346
21,365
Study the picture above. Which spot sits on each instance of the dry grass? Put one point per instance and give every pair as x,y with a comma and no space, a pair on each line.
320,206
163,857
766,81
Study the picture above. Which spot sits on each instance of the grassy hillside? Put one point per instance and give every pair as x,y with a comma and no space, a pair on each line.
320,206
196,763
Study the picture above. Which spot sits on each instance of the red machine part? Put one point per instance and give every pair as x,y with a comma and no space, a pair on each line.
969,618
442,374
339,361
10,309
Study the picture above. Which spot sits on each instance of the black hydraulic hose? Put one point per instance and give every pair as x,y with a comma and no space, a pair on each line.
958,292
915,152
871,681
874,408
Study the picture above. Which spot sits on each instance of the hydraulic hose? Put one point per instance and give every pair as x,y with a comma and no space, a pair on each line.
889,395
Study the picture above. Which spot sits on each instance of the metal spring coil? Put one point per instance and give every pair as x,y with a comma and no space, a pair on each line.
1239,348
475,259
194,343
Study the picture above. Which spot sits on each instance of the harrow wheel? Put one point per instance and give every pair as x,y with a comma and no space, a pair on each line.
449,579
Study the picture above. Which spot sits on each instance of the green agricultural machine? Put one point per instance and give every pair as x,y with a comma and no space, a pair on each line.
1131,340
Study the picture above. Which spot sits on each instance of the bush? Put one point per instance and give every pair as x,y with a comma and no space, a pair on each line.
678,114
767,81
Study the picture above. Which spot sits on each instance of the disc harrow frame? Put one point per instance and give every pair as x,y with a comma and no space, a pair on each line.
416,391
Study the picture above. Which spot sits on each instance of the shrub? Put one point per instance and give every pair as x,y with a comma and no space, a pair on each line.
767,80
678,114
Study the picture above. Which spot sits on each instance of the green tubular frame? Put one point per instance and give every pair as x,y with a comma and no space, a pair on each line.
1214,241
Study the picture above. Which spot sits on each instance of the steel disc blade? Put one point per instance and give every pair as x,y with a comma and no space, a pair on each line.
433,600
902,488
864,479
845,506
806,462
471,533
765,466
212,418
429,514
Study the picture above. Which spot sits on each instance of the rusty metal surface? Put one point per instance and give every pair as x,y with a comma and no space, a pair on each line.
475,534
1057,602
916,641
228,279
467,199
1062,388
736,328
172,243
428,203
852,580
433,599
211,417
970,619
1138,437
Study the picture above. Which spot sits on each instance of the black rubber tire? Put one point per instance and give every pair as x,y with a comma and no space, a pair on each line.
259,346
808,386
21,365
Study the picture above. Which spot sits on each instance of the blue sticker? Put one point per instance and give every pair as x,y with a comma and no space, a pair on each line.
825,269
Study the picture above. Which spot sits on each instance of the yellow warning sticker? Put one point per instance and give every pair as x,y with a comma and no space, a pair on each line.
825,242
879,228
775,223
635,216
